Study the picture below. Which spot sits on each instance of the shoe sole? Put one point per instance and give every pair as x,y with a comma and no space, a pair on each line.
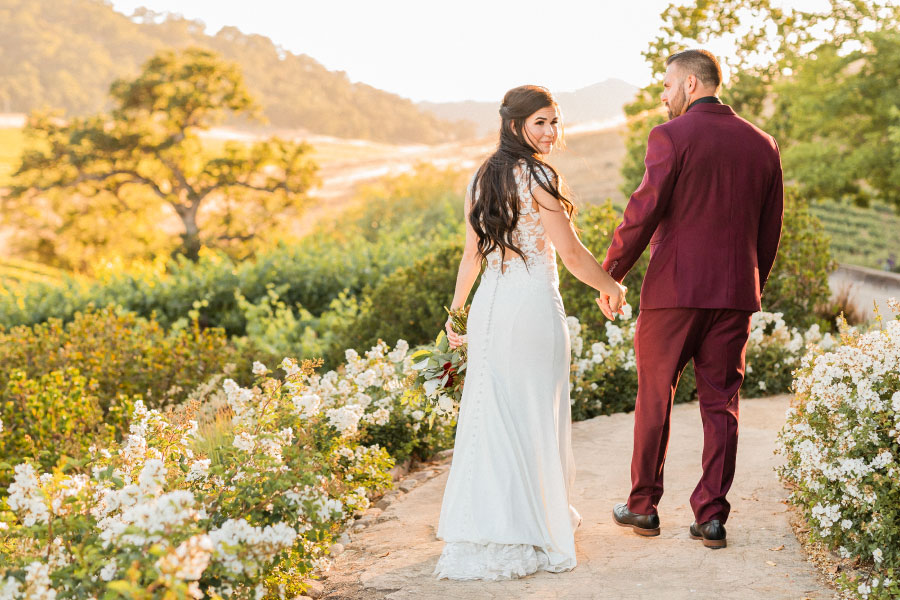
638,530
714,544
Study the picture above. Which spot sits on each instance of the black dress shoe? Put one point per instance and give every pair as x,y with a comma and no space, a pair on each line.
712,533
646,525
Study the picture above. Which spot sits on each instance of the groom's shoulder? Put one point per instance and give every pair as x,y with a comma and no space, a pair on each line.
702,124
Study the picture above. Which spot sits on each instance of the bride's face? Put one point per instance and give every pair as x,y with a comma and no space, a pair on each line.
542,129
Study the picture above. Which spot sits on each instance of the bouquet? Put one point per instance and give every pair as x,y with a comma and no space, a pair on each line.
441,369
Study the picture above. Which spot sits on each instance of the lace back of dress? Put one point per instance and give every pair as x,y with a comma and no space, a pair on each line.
529,235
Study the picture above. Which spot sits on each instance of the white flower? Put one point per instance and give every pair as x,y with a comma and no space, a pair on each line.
259,369
9,589
199,470
188,560
366,379
577,345
381,416
445,404
290,366
1,425
26,496
431,387
574,326
418,415
147,521
345,419
108,572
399,352
307,404
152,477
37,582
614,334
877,555
242,547
244,441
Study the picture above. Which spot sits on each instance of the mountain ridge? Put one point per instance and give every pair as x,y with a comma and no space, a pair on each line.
65,53
602,101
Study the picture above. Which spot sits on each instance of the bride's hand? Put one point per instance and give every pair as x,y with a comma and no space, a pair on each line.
611,304
455,339
603,302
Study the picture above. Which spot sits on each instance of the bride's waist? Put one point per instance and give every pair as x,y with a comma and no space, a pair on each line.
534,275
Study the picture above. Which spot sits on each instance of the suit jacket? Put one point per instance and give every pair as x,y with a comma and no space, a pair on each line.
711,206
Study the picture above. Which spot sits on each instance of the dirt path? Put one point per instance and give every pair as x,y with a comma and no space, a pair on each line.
393,558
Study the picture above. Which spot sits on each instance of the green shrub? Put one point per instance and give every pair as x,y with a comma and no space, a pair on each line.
840,445
407,434
408,304
121,353
798,284
156,519
394,222
54,415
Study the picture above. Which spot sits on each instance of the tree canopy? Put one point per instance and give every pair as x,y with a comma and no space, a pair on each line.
823,83
83,182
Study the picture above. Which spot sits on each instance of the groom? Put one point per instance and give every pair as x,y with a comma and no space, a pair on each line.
710,206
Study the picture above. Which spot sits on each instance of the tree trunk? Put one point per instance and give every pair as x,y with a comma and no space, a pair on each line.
190,239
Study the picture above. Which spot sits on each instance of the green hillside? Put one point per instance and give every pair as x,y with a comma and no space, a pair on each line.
65,53
868,237
15,272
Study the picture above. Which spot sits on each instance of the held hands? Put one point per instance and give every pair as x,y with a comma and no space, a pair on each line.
611,304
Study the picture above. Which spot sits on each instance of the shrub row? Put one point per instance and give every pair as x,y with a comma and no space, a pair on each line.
841,443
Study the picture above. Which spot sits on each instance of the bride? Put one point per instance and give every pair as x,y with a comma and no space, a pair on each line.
506,510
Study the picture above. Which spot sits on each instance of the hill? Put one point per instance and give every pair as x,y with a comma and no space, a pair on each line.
599,102
65,53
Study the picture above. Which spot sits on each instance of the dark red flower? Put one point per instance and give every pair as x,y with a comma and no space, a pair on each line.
450,372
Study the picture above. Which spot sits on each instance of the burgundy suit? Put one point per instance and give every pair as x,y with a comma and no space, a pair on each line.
710,206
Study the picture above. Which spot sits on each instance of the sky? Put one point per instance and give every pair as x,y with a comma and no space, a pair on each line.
449,51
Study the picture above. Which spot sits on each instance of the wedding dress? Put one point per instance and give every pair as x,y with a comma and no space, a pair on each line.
506,509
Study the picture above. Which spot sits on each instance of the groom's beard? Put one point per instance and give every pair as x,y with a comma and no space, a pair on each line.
675,106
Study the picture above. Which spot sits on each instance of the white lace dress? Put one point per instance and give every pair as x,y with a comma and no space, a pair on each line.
506,509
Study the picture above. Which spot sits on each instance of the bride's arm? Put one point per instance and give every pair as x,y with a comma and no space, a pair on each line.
577,259
469,267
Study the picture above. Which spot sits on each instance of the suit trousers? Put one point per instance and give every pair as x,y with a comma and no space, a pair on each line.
665,340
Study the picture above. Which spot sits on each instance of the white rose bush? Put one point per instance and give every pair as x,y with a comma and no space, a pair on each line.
241,491
156,517
604,373
841,444
774,352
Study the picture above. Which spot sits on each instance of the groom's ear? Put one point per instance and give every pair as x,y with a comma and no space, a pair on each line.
690,83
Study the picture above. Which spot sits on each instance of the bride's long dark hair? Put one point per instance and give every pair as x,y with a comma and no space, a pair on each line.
495,203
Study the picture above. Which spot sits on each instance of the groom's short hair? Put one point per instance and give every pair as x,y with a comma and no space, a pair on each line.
700,63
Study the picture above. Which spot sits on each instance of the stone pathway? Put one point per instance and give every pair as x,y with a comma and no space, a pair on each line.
392,556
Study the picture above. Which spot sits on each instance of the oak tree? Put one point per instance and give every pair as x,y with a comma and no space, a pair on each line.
146,161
